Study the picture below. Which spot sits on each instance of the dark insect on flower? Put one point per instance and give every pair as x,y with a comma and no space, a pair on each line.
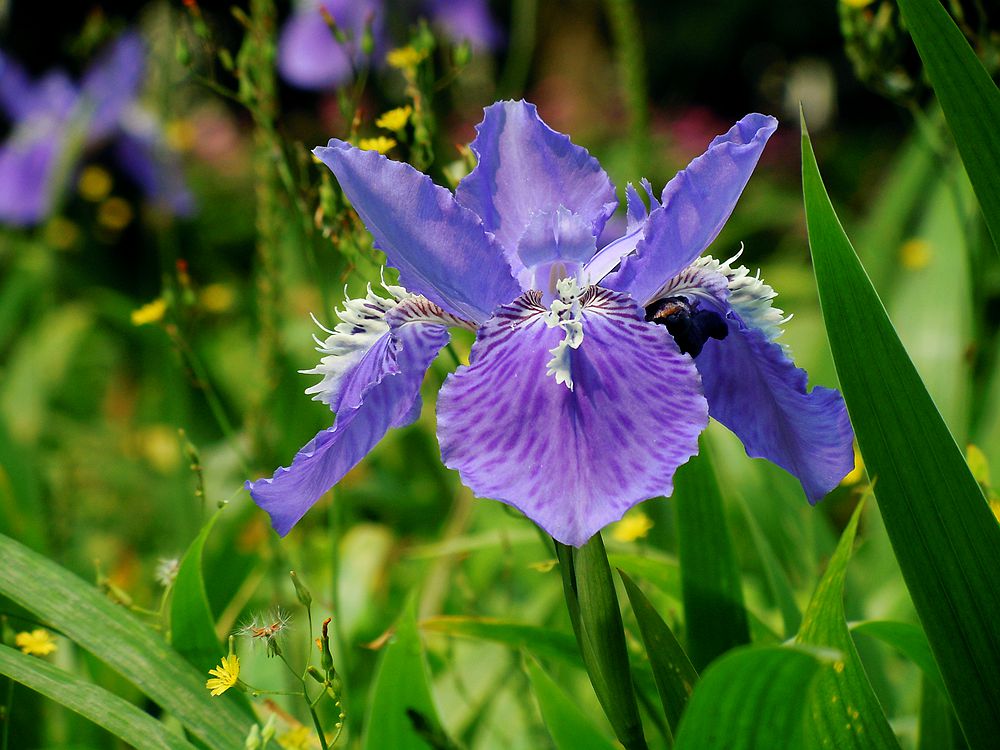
690,326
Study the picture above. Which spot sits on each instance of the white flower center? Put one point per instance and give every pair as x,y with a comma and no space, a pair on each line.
566,312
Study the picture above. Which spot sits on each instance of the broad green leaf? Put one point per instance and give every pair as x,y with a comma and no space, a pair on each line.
937,729
517,636
401,686
569,727
969,98
597,622
944,535
118,716
909,640
714,615
192,628
844,709
672,670
753,698
125,644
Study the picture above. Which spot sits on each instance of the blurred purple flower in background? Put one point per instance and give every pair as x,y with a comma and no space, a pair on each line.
310,57
55,120
593,372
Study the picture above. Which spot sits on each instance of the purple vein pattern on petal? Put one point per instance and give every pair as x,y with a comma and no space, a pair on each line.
112,83
438,246
389,380
695,205
524,168
572,461
756,391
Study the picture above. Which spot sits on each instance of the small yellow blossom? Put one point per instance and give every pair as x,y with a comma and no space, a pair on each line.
299,738
38,642
114,214
151,312
635,525
395,119
226,675
380,144
405,58
857,3
856,474
978,464
915,254
94,183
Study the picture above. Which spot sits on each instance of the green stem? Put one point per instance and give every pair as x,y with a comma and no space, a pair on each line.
521,49
632,62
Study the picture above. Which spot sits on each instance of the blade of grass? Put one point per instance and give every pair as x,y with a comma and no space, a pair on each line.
943,534
969,98
107,710
192,628
125,644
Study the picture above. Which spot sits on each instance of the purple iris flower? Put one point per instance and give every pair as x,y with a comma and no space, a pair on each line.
310,57
55,120
593,373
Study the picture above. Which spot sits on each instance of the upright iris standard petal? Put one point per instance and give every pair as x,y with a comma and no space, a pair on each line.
695,205
525,168
438,246
111,84
388,380
466,21
29,171
756,391
571,460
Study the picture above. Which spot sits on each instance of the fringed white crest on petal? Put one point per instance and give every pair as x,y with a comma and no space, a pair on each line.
566,313
749,296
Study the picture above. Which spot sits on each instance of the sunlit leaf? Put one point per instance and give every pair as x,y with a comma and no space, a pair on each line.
909,640
569,727
969,97
944,535
192,628
117,638
118,716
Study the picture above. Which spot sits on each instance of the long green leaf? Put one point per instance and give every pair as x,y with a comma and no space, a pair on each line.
675,676
516,636
570,728
401,687
714,614
944,536
845,711
597,622
909,640
753,698
118,716
125,644
969,98
192,628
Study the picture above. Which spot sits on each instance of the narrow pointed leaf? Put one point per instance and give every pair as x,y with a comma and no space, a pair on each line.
402,686
127,722
714,614
753,698
516,636
125,644
969,98
570,728
192,628
672,670
909,640
845,712
597,622
944,535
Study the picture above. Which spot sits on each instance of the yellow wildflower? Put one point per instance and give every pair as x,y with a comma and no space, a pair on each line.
405,58
395,119
94,183
856,474
38,642
226,675
299,738
857,3
380,144
915,254
151,312
635,525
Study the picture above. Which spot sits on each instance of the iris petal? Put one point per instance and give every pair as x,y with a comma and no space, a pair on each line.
438,246
143,153
29,171
524,168
571,460
756,391
112,83
695,205
384,389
